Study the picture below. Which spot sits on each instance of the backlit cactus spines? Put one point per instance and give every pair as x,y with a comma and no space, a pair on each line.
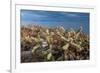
39,44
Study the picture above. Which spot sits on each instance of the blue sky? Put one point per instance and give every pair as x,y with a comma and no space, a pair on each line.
56,18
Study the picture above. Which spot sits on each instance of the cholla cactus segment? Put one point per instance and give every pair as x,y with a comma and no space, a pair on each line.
65,47
78,47
34,48
49,56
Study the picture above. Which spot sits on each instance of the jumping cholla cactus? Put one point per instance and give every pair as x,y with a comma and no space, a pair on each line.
55,44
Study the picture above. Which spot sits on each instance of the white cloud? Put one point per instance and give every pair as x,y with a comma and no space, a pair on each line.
70,14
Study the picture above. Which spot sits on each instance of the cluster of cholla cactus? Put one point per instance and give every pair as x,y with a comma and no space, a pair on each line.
40,44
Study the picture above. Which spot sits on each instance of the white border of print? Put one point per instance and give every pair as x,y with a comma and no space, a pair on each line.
16,66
